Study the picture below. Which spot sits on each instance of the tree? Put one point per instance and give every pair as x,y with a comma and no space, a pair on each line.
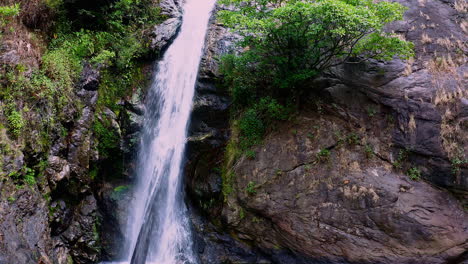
289,42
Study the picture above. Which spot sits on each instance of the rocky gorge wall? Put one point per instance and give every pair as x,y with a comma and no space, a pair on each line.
374,171
331,186
63,200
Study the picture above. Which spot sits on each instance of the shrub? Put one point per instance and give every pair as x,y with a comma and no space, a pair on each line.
457,163
251,188
253,123
15,123
290,42
9,11
108,140
414,174
353,139
250,154
29,176
323,155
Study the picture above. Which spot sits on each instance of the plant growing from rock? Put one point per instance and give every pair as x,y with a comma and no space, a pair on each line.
402,156
250,154
414,174
15,122
323,155
251,188
352,139
369,151
457,163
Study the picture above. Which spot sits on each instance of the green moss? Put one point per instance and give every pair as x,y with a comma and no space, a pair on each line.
250,154
108,139
15,123
24,176
241,213
228,179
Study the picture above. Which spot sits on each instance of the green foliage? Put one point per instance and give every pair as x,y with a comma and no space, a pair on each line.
414,174
251,188
290,42
323,155
402,156
108,139
253,123
250,154
228,179
353,139
25,175
286,44
29,176
241,213
457,163
15,122
9,11
61,67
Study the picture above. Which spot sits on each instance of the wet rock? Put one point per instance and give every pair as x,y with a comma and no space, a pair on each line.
80,144
171,8
82,235
113,206
90,77
58,170
164,33
210,118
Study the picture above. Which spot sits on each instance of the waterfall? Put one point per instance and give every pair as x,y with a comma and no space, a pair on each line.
159,228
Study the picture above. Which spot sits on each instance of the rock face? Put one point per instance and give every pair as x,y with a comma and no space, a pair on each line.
164,33
348,206
376,172
24,225
426,95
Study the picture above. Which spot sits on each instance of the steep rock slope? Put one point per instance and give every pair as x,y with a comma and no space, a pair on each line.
61,196
374,172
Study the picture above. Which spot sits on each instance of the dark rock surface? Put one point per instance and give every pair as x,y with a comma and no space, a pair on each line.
357,205
24,227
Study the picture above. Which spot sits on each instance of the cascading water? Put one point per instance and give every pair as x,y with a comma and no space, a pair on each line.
159,229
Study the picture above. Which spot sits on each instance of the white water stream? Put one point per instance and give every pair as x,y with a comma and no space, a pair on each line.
158,230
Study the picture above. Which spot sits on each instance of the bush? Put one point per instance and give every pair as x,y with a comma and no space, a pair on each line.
414,174
15,122
291,42
108,139
254,122
251,188
9,11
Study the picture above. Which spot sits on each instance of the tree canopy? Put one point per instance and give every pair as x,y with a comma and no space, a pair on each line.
287,42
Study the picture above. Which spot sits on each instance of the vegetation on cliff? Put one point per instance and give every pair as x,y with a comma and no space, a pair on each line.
51,41
286,44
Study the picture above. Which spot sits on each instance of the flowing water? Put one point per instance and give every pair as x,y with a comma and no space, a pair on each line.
159,230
